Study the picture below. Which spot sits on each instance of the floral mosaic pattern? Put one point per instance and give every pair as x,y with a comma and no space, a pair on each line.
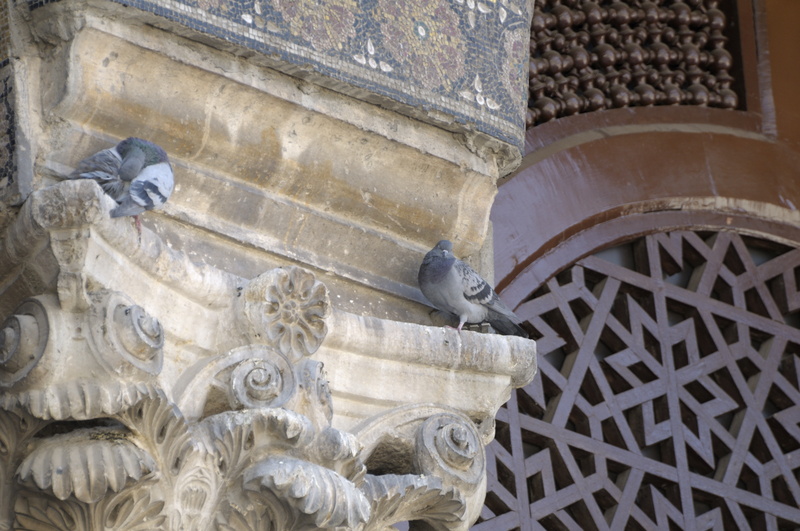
515,44
426,37
325,24
465,58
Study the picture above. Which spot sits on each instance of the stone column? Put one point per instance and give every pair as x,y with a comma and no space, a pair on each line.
173,378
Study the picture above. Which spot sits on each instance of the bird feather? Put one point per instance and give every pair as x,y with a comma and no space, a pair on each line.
136,173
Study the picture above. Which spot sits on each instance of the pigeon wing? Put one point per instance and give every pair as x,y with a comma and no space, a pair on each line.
103,168
476,289
102,163
148,191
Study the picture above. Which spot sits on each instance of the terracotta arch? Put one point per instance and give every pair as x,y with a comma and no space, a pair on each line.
657,254
598,168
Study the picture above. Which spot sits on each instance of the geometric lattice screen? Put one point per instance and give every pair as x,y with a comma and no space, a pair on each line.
668,393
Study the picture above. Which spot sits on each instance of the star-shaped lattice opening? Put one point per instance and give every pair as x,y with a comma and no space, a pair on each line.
668,393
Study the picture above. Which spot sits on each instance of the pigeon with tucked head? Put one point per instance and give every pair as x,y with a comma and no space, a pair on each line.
454,287
136,173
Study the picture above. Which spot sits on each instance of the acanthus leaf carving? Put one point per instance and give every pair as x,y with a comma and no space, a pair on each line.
257,450
401,497
159,425
16,429
254,515
196,492
342,451
85,464
77,399
328,499
236,436
130,510
34,512
133,511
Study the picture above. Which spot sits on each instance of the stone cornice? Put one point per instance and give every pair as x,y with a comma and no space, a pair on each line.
249,157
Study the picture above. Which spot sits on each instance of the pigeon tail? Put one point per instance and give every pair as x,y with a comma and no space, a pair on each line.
505,326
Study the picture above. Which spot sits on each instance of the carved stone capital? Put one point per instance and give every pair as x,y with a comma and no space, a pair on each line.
213,402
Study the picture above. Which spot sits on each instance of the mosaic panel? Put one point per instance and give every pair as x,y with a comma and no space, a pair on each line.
6,106
6,127
589,55
466,58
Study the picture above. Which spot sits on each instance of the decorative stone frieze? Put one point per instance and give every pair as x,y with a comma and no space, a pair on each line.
122,408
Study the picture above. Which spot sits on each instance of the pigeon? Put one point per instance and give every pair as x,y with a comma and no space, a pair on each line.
136,173
453,286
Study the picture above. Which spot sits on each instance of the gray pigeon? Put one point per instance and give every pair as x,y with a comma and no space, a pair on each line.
136,173
453,286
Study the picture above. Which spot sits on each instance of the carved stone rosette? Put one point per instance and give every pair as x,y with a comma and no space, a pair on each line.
116,414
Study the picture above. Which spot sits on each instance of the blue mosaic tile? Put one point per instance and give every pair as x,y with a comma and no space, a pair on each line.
465,58
7,120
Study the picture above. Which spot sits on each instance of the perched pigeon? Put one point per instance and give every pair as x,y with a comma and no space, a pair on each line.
453,286
135,172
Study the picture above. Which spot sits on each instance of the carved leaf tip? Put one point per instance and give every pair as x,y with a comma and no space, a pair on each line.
397,498
326,497
86,464
77,399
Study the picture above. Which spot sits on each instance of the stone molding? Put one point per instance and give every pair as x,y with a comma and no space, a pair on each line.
285,170
139,390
